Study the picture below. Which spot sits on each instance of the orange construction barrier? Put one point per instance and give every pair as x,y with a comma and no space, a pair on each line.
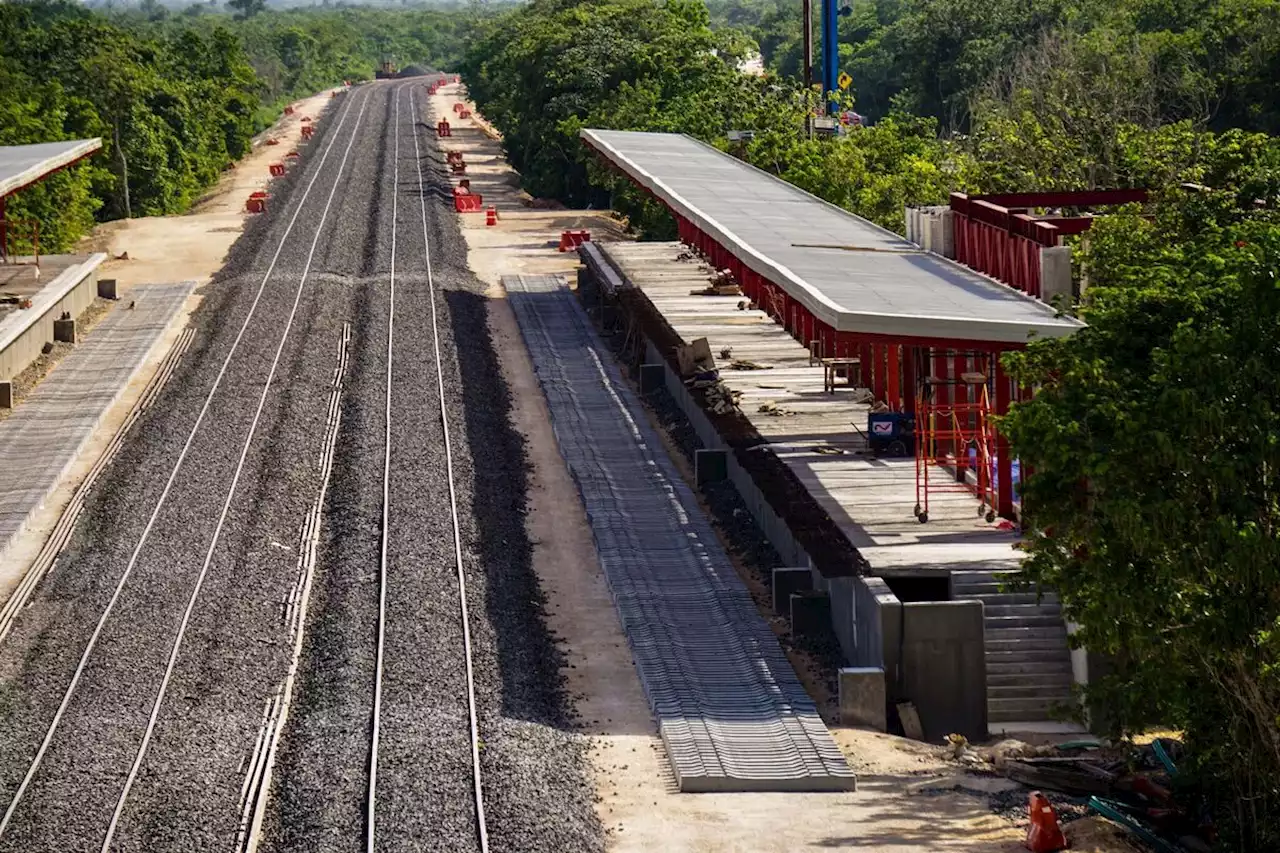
307,130
465,202
257,202
273,141
277,169
288,110
464,113
1045,833
570,240
491,216
457,108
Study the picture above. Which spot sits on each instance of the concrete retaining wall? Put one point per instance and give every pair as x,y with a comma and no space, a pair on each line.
25,331
935,657
770,523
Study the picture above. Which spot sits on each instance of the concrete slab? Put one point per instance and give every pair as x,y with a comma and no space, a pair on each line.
848,272
23,165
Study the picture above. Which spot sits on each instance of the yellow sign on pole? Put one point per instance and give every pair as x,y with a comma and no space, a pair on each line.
844,81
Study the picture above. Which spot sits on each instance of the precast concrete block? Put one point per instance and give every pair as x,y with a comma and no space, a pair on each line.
787,582
710,466
107,289
810,612
64,331
862,697
652,377
6,394
1055,275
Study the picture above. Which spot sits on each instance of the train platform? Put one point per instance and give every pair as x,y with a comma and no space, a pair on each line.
45,434
817,429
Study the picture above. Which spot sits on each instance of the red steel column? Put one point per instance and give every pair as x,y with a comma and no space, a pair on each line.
909,378
1004,464
960,365
892,356
867,358
878,384
941,391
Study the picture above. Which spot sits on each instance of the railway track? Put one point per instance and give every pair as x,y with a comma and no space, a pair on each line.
32,792
294,602
385,561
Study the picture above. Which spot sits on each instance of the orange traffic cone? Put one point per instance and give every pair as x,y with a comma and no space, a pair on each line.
491,216
1045,833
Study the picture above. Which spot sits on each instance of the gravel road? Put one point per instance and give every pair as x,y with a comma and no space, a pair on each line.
334,267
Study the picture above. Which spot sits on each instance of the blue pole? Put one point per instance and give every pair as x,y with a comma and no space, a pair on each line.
830,52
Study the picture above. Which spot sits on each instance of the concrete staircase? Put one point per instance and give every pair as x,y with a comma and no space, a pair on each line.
1028,661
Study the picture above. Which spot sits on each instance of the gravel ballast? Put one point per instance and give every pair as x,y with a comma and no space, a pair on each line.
187,795
534,771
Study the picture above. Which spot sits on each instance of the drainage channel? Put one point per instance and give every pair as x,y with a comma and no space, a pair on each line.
731,711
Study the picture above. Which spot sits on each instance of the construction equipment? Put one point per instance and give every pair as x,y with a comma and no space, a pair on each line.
386,69
891,433
957,430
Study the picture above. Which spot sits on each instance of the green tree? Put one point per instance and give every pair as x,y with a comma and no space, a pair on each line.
1153,508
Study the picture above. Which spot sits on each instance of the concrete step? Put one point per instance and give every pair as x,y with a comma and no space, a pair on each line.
1029,609
1040,708
966,577
1033,661
991,598
1051,632
1052,692
1000,623
1027,644
1058,680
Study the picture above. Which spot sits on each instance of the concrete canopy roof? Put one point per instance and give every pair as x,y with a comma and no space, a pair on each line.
23,165
850,273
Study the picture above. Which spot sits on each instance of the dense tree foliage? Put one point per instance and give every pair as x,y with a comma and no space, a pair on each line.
176,98
545,70
1155,438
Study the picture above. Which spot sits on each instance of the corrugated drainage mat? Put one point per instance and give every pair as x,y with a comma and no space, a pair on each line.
731,711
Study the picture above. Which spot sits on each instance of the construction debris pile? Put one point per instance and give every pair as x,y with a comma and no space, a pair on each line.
699,372
1135,787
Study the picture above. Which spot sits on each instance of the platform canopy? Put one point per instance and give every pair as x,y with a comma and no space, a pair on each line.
23,165
849,273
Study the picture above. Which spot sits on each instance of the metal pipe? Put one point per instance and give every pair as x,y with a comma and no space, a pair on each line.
807,24
830,52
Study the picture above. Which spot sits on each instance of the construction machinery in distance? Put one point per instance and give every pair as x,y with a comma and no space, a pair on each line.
386,70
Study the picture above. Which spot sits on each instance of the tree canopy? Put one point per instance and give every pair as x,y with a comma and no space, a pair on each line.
176,98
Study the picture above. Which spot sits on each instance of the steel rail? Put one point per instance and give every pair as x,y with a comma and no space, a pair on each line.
173,475
482,831
52,548
376,723
231,491
257,785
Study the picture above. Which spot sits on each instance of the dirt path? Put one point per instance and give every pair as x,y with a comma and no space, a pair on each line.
637,801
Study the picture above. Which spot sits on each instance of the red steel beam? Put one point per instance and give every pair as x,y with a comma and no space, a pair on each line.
1083,198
